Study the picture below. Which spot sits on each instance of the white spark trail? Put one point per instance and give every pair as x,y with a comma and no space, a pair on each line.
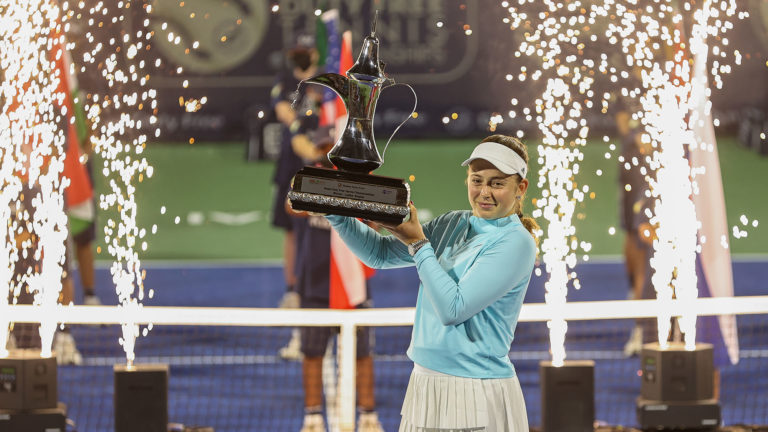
32,151
575,44
111,53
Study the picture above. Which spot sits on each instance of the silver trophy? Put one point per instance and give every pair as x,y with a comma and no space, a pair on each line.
352,190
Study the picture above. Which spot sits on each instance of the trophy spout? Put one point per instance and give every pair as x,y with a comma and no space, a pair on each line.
338,83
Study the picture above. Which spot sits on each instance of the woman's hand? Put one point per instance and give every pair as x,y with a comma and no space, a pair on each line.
298,213
408,231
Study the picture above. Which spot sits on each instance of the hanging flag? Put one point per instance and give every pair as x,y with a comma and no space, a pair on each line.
713,263
79,194
345,63
328,42
348,275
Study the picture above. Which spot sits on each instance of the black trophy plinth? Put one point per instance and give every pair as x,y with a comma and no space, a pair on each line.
367,196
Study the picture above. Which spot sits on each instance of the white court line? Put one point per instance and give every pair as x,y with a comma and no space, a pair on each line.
386,358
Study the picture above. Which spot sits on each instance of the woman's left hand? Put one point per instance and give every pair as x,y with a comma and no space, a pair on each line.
408,231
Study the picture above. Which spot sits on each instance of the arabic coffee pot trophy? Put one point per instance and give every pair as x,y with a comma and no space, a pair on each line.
351,190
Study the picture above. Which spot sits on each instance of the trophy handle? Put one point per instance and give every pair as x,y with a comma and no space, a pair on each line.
415,102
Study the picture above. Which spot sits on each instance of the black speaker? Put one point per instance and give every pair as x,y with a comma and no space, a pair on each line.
567,396
27,381
141,398
678,415
36,420
676,374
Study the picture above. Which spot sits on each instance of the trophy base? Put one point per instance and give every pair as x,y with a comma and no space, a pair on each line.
366,196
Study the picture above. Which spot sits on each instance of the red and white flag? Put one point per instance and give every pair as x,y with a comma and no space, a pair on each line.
347,275
79,194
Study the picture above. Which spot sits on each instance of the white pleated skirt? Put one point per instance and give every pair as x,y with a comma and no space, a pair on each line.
436,402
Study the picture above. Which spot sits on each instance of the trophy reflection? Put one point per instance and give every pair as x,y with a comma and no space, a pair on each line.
352,190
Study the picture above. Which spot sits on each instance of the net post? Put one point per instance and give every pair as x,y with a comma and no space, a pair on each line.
347,372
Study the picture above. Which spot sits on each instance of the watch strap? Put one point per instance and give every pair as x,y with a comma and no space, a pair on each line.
415,246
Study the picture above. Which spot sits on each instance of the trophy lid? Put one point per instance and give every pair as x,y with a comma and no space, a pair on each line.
368,67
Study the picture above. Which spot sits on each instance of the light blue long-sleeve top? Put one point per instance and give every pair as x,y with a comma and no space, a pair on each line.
474,274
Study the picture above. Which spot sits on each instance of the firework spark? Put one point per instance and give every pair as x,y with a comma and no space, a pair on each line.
558,113
32,150
575,43
120,111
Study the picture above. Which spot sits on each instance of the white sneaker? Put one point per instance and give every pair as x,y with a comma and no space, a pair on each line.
292,351
91,300
369,422
313,423
290,300
635,343
65,349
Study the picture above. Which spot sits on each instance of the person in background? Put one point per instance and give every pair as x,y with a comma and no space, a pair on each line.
314,278
633,202
474,268
82,222
296,109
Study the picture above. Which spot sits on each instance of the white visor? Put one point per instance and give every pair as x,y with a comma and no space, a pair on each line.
502,157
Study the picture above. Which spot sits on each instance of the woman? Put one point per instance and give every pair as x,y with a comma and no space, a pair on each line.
474,267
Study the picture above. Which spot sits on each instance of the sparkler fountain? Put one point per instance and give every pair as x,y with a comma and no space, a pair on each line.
675,105
35,116
32,151
566,39
116,45
554,44
676,108
119,113
32,110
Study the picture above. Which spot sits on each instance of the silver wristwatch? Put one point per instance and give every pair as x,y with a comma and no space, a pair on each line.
415,246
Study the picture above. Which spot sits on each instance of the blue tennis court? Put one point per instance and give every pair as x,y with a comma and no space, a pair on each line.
231,378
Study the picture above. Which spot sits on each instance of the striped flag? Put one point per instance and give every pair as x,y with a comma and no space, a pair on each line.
714,276
328,41
348,275
79,194
345,64
713,263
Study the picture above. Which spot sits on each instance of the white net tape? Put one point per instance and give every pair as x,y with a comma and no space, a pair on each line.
264,317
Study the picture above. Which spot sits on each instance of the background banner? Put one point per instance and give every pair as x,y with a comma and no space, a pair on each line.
457,55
